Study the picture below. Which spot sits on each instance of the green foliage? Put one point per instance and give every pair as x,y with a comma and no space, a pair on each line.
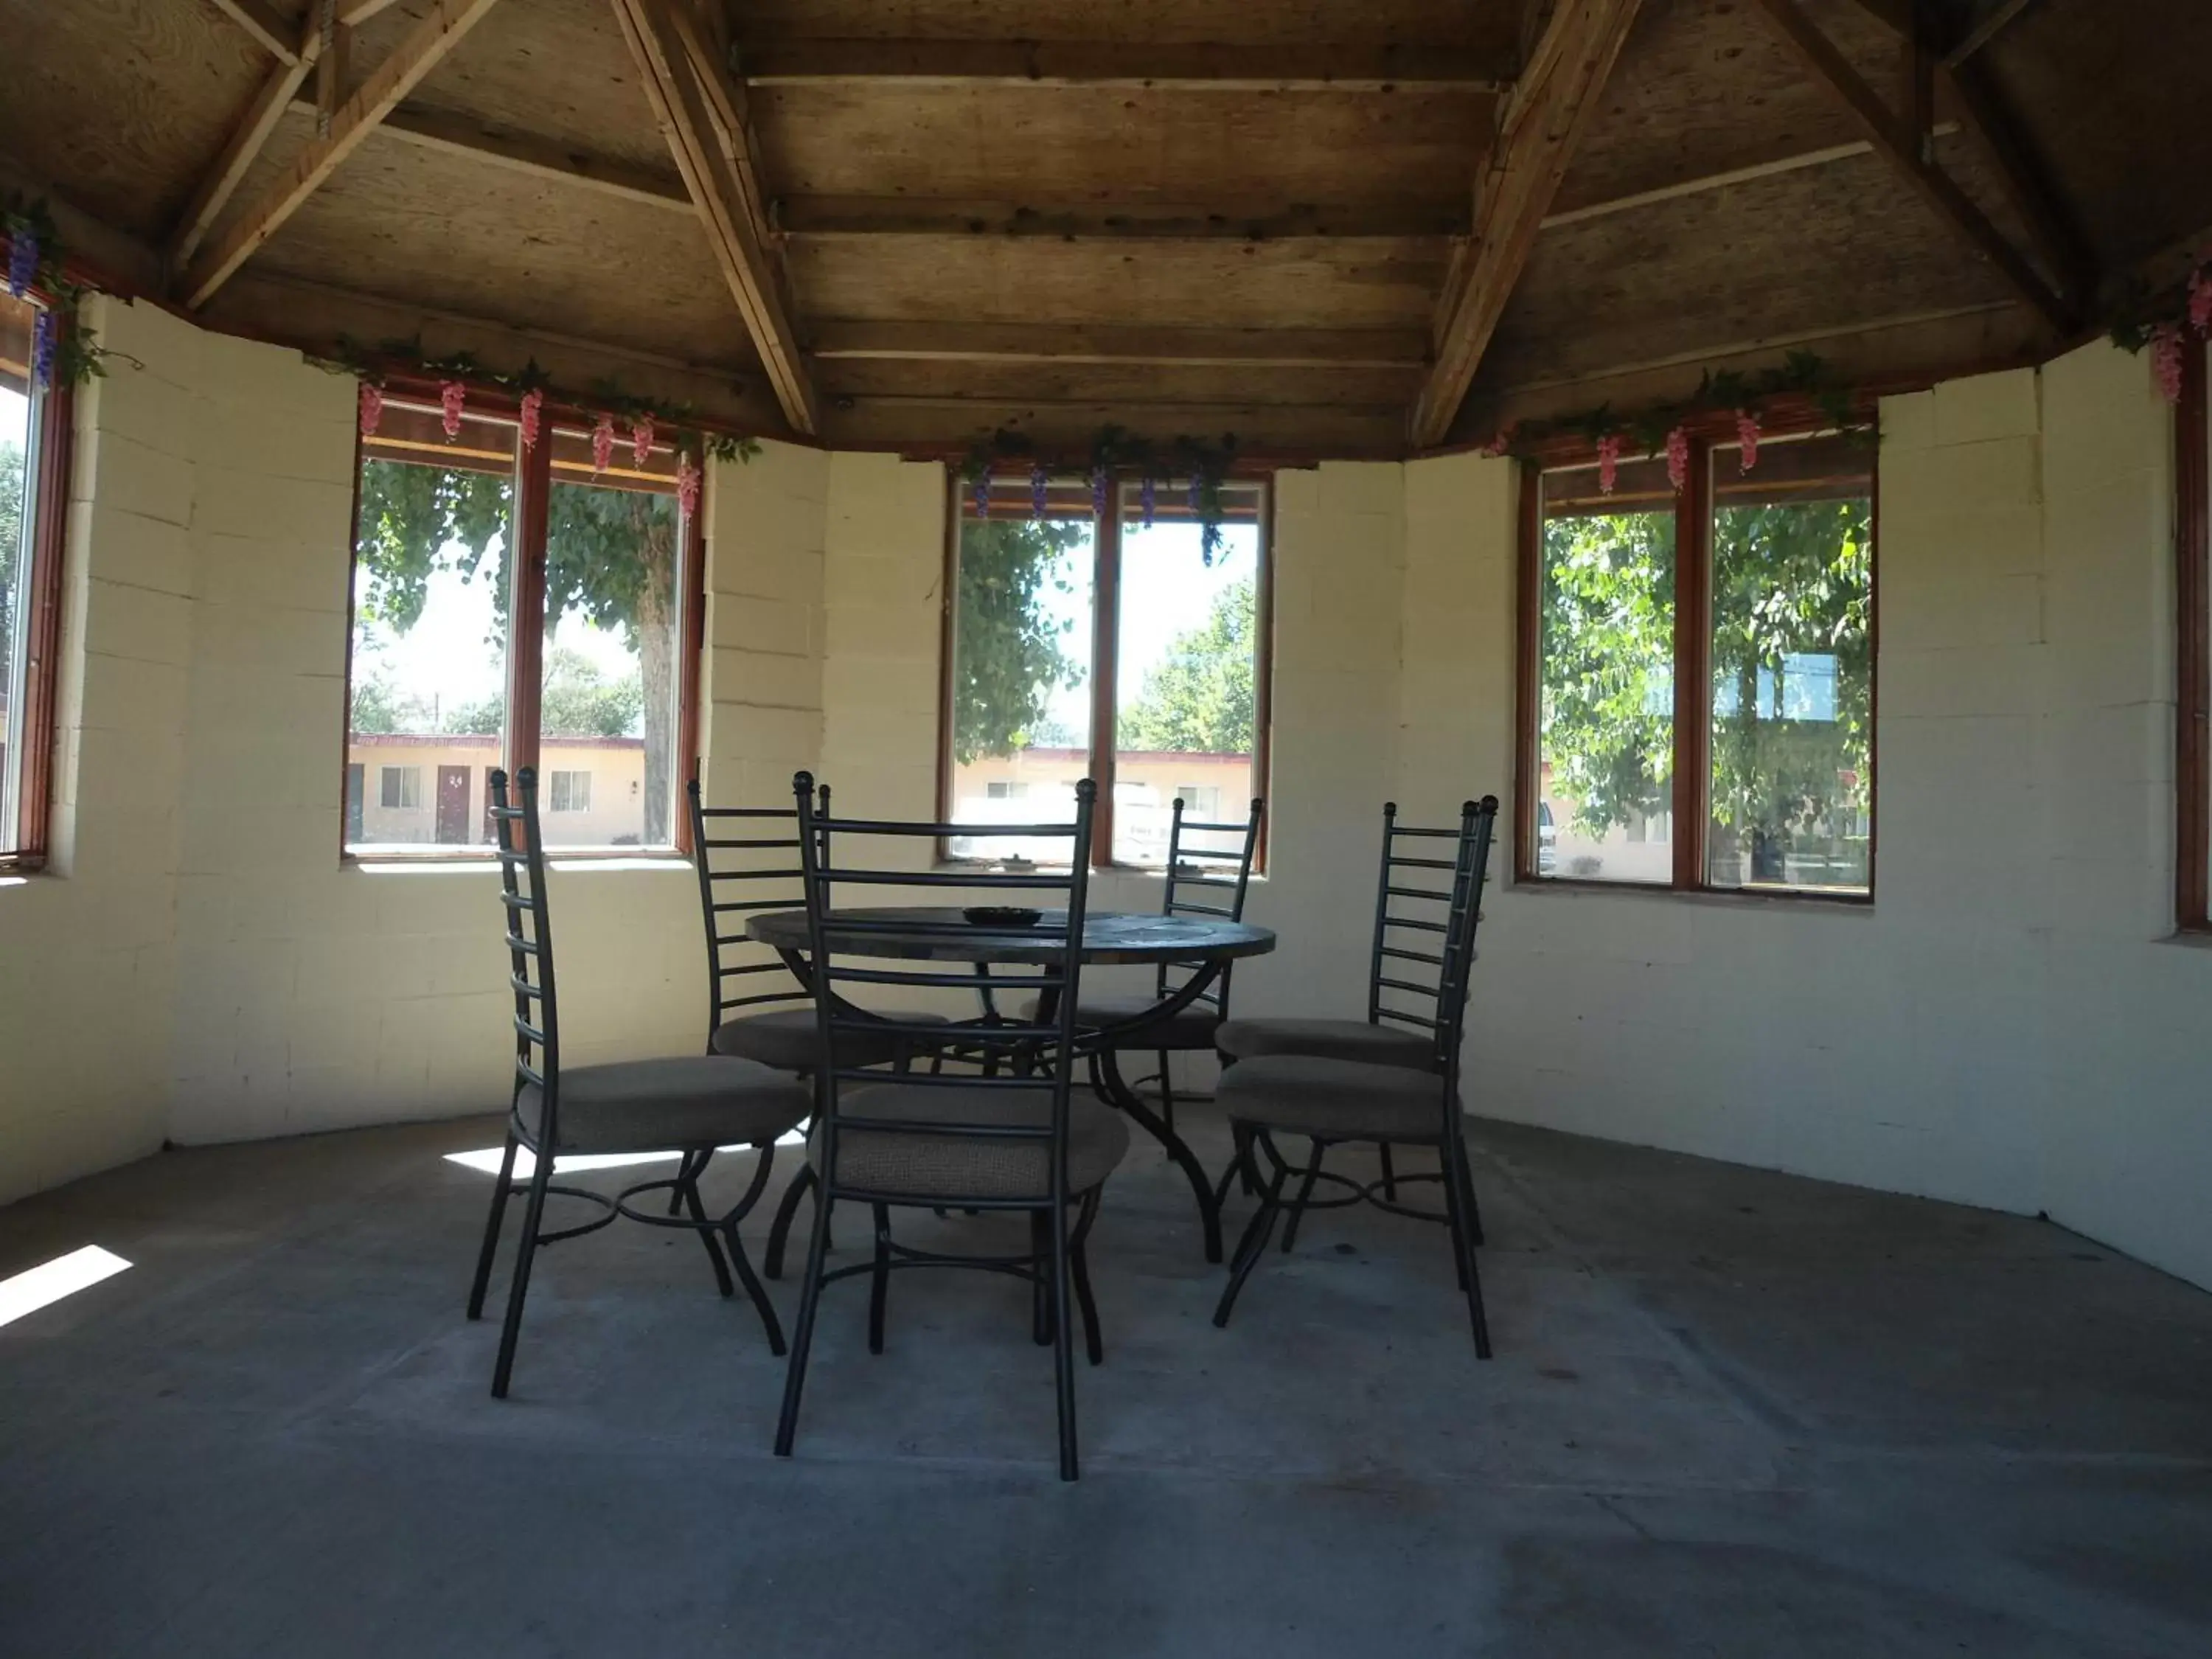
11,544
1200,697
412,519
1790,580
1013,654
1608,663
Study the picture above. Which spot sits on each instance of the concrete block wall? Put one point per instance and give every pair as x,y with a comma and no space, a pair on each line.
2010,1024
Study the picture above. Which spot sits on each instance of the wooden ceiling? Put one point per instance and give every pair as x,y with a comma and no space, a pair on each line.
1331,227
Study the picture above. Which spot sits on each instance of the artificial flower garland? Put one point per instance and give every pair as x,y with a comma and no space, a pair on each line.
60,348
1206,465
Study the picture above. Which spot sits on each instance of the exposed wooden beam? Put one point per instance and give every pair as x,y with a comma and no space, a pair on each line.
332,67
278,35
423,47
1193,66
1281,432
1711,181
1999,17
1543,124
1239,221
248,138
1894,140
1024,342
463,136
736,233
2065,251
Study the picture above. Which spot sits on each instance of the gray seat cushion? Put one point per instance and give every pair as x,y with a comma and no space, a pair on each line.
1328,1039
1189,1028
786,1038
949,1167
1334,1099
662,1105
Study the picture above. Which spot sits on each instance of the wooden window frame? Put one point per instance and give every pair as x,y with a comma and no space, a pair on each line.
518,742
1692,663
1105,626
2193,593
31,730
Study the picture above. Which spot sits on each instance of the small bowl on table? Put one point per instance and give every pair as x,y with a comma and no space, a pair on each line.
1001,915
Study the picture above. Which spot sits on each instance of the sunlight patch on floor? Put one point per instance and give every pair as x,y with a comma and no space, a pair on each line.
485,1159
49,1282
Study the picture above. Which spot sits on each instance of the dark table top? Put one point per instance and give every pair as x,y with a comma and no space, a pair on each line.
1109,936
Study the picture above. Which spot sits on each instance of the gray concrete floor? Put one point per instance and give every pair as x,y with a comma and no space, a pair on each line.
1731,1414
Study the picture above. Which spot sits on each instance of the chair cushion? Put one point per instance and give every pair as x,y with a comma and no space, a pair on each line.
660,1105
1190,1028
1328,1039
950,1167
1334,1099
787,1039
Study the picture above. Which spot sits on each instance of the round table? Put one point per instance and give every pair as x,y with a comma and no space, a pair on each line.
1110,938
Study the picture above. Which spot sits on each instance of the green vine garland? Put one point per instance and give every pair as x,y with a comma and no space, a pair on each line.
1114,451
77,356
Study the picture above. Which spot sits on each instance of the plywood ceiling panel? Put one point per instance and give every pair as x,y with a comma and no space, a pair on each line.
122,101
1057,144
1304,284
1828,247
1121,382
436,230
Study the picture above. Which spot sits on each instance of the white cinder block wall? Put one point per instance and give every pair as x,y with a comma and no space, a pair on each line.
2009,1024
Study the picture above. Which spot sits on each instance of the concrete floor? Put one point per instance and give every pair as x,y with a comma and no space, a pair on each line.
1732,1413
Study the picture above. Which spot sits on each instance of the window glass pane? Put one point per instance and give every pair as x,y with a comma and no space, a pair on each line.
430,604
1186,651
1021,664
608,719
1606,741
18,511
1793,667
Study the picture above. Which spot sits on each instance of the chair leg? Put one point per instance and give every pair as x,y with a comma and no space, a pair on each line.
1167,1092
499,1196
1078,1258
687,1194
1254,1244
754,1289
802,1340
1457,1195
1063,1355
526,1251
1474,1210
786,1211
1306,1193
1389,1172
676,1193
1040,1297
879,1281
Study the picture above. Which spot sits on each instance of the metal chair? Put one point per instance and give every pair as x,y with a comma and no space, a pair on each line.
1331,1099
1209,872
685,1105
1017,1137
747,859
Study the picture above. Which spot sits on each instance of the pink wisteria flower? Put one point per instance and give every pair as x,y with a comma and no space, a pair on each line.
2200,300
452,398
1609,462
2166,347
533,414
603,443
1677,457
371,408
1746,434
687,485
641,438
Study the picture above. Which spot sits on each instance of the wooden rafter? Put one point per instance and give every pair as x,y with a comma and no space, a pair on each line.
1197,66
464,136
1894,140
248,138
1999,17
424,47
1166,346
277,34
1544,122
716,167
1239,221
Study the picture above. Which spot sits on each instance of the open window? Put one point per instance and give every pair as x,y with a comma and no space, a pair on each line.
33,500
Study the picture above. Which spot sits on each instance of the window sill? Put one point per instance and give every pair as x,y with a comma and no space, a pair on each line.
1724,898
391,864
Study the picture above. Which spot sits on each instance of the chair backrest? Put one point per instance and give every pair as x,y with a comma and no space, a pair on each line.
747,858
1207,881
522,851
1013,1054
1419,972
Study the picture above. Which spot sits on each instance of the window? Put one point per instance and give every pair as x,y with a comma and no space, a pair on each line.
34,457
571,792
470,653
1702,661
2192,596
401,789
1111,649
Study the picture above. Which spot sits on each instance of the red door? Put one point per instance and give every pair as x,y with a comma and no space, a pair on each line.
452,803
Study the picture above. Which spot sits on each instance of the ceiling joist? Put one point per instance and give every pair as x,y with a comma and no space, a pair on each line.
1126,63
1894,139
715,163
1074,343
1544,121
1237,222
421,51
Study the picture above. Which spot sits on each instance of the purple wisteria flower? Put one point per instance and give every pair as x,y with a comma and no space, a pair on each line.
983,495
22,261
1039,482
42,348
1098,488
1146,496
